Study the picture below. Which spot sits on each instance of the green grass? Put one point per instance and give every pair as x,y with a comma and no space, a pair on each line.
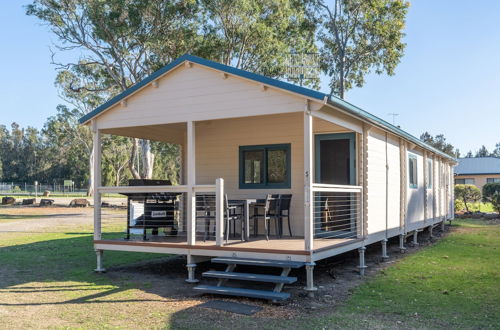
452,284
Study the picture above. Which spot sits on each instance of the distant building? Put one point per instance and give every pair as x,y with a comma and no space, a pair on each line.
477,171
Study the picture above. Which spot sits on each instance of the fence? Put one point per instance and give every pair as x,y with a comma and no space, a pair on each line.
337,211
16,188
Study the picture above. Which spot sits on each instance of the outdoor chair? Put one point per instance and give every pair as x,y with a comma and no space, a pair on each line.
284,212
232,213
270,212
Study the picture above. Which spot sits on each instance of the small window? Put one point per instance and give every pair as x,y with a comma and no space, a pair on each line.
412,171
465,181
430,174
492,180
266,166
470,181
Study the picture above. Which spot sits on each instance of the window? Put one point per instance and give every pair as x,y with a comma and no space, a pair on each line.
465,181
266,166
492,180
430,174
412,171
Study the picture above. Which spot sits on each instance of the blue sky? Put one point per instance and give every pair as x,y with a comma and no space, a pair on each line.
448,81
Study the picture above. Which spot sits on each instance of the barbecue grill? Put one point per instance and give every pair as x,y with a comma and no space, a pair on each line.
152,210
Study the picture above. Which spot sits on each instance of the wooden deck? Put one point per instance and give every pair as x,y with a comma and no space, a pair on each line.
256,244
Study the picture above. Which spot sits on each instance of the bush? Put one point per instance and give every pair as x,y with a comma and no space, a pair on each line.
459,205
491,193
467,193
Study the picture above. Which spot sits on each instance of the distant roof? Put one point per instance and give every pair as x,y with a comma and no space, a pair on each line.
310,93
478,165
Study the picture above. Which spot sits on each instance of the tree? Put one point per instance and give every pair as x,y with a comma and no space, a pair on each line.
257,35
496,151
482,152
359,36
467,193
439,142
491,193
121,42
469,154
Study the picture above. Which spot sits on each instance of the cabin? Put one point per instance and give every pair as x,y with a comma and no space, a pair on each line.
477,171
273,175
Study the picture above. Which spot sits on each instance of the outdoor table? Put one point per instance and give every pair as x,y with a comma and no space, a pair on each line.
245,204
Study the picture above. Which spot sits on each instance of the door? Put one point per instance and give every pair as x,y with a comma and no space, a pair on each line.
335,159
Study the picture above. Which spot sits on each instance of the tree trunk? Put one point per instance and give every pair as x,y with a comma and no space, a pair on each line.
147,159
131,163
90,188
466,206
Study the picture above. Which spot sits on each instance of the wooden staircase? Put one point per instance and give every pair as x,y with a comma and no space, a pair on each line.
230,274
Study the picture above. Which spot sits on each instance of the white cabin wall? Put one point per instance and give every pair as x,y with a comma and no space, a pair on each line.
376,182
394,182
217,155
199,93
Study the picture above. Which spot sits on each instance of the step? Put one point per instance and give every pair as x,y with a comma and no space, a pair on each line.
259,262
250,277
239,292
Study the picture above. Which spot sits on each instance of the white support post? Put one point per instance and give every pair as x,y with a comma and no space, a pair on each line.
415,238
308,179
99,268
219,212
191,181
191,267
362,264
310,288
402,239
97,180
384,249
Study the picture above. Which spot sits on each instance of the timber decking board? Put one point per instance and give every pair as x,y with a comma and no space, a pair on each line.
256,244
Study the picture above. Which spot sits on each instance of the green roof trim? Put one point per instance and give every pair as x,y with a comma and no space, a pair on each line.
310,93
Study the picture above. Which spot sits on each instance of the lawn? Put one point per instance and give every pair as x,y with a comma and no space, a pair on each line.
47,278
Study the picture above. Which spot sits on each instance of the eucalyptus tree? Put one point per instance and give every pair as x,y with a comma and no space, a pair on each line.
117,43
358,37
258,35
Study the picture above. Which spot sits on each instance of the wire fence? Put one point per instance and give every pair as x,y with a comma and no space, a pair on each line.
24,188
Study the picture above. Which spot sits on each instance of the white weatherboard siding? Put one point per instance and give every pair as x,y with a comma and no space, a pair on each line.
415,196
376,181
394,182
217,154
199,93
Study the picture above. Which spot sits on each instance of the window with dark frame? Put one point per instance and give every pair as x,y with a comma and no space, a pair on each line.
430,174
265,166
412,171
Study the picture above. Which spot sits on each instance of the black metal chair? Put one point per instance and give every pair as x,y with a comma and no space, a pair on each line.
231,215
284,212
271,212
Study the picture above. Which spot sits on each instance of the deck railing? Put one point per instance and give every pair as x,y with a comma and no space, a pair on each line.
191,199
337,211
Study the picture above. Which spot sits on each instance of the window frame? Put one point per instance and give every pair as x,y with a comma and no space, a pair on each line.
410,158
430,173
265,148
492,180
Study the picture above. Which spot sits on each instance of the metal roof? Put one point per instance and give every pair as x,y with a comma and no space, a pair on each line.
478,165
310,93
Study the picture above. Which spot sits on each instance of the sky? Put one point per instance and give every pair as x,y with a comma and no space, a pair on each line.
448,81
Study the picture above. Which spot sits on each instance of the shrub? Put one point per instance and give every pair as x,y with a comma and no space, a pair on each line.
491,193
467,193
459,205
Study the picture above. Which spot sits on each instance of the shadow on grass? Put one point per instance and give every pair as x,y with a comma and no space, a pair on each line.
51,261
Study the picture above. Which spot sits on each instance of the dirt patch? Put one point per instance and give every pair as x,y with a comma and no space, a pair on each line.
334,277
